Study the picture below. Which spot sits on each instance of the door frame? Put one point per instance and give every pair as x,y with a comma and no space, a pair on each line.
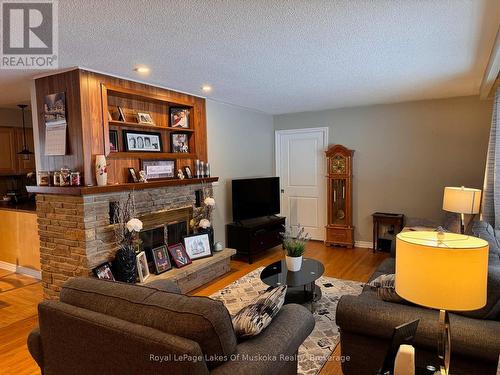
277,152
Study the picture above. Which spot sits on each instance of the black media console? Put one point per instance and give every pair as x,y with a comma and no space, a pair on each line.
250,237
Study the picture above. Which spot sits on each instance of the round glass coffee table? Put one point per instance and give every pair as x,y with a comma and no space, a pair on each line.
301,284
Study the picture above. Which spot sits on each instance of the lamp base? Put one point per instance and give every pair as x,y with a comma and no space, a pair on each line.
444,342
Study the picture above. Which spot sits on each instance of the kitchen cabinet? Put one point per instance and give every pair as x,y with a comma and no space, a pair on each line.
11,142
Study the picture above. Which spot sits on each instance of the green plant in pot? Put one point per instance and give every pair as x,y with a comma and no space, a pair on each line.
294,246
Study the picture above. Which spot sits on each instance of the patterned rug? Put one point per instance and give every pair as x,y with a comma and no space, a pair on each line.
318,347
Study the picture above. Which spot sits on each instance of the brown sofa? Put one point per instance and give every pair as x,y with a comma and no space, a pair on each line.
102,327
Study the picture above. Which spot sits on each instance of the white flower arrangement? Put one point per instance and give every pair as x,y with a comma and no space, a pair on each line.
204,223
209,201
134,225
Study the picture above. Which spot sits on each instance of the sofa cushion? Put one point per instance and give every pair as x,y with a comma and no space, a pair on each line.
485,231
200,319
255,317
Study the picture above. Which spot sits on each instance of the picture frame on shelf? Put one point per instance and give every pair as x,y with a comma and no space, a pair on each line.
179,255
179,143
187,172
161,259
113,141
197,246
158,169
121,114
138,141
145,118
104,272
179,117
142,266
132,175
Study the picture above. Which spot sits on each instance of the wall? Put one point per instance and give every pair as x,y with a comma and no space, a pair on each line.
240,144
11,117
406,153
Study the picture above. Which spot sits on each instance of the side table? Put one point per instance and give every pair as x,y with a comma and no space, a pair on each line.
396,220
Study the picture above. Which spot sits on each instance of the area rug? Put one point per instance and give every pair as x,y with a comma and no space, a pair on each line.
318,347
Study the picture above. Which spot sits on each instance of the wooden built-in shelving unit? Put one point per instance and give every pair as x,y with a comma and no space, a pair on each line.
90,97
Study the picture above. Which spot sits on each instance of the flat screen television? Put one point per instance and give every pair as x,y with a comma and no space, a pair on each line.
255,197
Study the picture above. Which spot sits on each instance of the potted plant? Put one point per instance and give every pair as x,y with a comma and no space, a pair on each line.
202,217
294,247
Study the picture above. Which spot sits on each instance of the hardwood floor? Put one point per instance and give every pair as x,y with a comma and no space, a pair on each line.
19,296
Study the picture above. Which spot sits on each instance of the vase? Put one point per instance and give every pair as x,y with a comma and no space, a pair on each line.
210,232
125,265
293,263
101,171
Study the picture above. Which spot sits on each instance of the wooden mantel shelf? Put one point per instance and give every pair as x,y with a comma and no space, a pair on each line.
89,190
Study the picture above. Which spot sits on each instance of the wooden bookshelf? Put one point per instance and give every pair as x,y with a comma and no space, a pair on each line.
90,96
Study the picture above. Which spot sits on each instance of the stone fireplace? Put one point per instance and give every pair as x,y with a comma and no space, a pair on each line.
77,233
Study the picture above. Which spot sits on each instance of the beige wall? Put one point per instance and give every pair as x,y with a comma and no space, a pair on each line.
240,144
406,153
11,117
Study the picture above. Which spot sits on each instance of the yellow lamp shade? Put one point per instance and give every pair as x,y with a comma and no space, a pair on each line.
442,270
462,200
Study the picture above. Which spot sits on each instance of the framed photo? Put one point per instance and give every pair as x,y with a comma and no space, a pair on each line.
145,118
142,141
158,169
197,246
104,272
142,266
179,142
161,259
132,175
113,141
187,172
179,118
179,255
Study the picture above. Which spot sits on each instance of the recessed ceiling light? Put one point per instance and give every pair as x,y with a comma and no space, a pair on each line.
142,69
206,88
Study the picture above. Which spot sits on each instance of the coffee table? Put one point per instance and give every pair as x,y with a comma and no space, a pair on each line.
301,284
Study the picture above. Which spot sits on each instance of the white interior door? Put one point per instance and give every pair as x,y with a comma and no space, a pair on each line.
300,164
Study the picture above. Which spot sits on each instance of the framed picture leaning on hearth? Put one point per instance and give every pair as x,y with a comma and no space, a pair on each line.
104,272
179,255
142,266
142,141
158,169
197,246
179,142
161,259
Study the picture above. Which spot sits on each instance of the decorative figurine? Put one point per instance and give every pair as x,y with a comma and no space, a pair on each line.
142,176
180,174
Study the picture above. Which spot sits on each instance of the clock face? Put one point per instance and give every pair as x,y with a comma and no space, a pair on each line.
338,164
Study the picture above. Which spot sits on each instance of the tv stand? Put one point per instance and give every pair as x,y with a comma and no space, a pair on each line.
252,236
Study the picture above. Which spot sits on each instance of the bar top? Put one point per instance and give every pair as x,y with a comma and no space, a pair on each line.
91,190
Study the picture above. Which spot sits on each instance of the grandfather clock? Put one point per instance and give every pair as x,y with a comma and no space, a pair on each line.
339,229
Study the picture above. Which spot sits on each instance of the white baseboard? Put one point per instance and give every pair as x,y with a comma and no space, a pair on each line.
365,244
20,269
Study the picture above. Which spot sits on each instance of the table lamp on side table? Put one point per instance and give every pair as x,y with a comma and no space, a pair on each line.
444,271
462,200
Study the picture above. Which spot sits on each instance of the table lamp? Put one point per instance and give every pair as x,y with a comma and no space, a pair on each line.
463,201
443,271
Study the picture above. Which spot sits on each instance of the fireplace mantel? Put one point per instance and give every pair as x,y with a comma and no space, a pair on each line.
90,190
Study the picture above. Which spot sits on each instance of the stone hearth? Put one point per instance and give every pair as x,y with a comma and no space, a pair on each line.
76,234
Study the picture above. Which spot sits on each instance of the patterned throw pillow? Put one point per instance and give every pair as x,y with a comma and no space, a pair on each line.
386,288
254,318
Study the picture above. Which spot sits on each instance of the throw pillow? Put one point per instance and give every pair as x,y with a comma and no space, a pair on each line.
386,288
254,318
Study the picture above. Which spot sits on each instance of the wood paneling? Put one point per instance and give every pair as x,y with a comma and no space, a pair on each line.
88,95
8,162
19,235
352,264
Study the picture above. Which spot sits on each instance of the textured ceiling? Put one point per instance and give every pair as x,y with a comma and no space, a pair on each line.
281,56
